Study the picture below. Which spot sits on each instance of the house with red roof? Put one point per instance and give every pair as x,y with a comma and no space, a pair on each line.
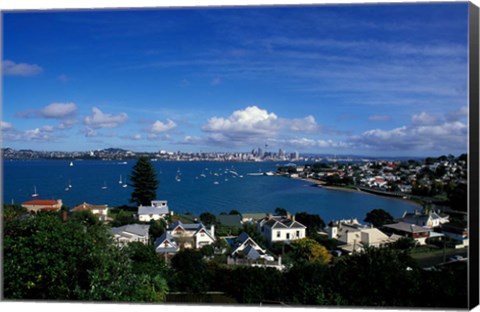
37,205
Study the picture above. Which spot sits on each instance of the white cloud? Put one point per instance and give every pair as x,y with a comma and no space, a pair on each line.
89,132
307,124
51,111
5,126
44,133
100,120
67,124
250,120
251,126
58,110
159,126
446,136
424,119
11,68
457,115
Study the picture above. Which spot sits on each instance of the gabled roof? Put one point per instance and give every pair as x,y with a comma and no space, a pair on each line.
280,222
165,238
407,227
86,206
146,210
185,226
245,240
190,227
135,229
251,253
39,202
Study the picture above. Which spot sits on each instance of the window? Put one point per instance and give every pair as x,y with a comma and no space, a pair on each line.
288,235
298,233
278,234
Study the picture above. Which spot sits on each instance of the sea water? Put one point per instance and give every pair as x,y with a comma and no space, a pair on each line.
192,187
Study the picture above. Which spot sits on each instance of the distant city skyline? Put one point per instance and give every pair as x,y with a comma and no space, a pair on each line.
372,79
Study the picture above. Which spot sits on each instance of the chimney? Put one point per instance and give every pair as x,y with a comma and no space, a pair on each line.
212,230
293,217
270,216
289,216
64,216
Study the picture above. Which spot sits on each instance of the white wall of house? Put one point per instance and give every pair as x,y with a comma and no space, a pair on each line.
149,217
202,239
281,235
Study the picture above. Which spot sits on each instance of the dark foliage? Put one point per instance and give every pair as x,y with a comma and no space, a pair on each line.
144,182
378,217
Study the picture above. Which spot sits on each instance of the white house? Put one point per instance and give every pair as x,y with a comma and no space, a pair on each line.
101,211
429,220
131,233
156,211
245,246
166,245
356,236
280,229
185,235
247,252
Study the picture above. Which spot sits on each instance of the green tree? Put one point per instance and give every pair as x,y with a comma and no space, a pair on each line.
207,218
234,212
144,182
280,211
45,258
392,277
191,272
313,222
122,218
86,217
157,228
378,217
308,250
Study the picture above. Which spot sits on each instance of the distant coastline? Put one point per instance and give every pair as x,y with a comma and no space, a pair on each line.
316,183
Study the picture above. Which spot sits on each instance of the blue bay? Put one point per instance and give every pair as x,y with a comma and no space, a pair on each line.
196,192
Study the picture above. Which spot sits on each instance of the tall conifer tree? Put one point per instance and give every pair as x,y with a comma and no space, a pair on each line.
144,182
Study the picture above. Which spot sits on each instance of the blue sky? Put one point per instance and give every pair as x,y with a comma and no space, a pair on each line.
380,80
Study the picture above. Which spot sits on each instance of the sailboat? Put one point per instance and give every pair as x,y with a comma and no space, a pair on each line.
35,194
120,181
177,177
71,164
104,187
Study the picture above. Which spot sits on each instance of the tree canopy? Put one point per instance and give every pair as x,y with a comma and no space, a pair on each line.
378,217
144,182
46,258
308,250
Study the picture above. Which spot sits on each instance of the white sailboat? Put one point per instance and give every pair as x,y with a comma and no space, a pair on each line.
104,187
120,181
35,194
71,164
177,177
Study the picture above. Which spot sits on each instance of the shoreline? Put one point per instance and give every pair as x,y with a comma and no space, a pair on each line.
316,183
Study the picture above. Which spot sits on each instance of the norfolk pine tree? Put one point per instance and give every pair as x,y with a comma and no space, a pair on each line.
144,182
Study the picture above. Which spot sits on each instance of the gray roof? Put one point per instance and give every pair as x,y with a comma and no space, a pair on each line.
251,253
278,222
242,238
192,227
186,226
165,237
146,210
136,229
407,227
